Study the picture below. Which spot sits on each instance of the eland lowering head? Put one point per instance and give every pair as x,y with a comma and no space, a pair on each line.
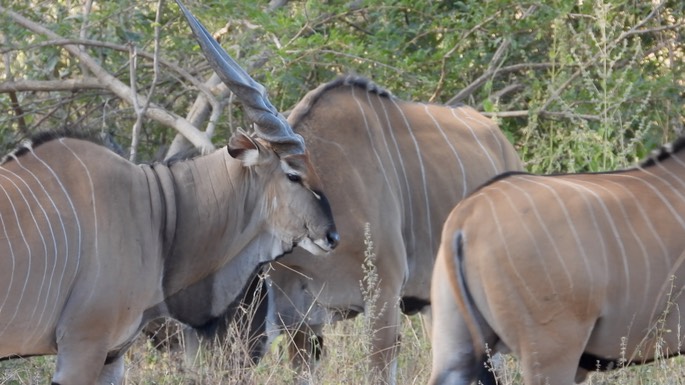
401,166
572,273
91,245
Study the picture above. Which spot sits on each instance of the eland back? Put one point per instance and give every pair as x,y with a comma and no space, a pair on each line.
92,245
572,273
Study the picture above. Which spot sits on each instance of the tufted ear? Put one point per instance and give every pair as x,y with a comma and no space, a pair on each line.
245,148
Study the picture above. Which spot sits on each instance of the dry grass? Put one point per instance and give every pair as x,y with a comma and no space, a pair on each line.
344,364
146,365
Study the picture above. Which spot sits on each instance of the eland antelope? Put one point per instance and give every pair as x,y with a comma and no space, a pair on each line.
92,245
572,273
400,167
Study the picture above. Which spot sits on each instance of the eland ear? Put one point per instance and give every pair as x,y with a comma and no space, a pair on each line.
244,148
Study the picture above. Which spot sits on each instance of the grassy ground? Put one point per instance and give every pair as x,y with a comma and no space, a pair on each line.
344,364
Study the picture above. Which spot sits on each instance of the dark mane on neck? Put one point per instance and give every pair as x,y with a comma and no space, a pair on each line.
27,144
665,152
43,137
305,105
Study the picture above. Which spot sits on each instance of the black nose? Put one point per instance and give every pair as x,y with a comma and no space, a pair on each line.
333,238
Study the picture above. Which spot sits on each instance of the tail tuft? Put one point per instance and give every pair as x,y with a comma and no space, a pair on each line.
464,298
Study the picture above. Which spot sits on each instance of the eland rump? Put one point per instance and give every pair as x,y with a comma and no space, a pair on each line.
91,245
400,167
572,273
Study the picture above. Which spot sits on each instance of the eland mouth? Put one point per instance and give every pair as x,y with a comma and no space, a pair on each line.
321,246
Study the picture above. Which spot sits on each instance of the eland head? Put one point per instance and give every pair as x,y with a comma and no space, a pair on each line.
296,210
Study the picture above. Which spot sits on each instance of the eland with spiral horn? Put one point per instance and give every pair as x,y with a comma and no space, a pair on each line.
91,245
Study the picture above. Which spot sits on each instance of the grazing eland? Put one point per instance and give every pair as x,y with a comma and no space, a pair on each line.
91,245
572,273
400,167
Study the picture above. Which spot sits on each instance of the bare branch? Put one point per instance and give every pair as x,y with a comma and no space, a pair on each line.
82,33
51,85
443,66
140,112
468,90
503,92
14,101
493,67
135,132
122,48
200,112
117,87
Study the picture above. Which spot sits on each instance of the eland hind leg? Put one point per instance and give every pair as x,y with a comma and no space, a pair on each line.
550,353
454,357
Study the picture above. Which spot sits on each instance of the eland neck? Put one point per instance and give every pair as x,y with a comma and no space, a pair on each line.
219,212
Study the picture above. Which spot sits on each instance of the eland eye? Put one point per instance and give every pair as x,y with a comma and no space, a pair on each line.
294,178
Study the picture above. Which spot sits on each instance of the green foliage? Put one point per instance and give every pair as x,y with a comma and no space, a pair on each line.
580,86
599,90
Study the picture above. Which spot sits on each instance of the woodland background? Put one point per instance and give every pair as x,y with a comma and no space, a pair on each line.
576,85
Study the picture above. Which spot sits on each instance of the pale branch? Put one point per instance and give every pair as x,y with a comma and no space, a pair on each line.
51,85
141,111
87,7
443,65
137,109
200,112
468,90
117,87
122,48
661,28
14,101
494,67
206,95
495,96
